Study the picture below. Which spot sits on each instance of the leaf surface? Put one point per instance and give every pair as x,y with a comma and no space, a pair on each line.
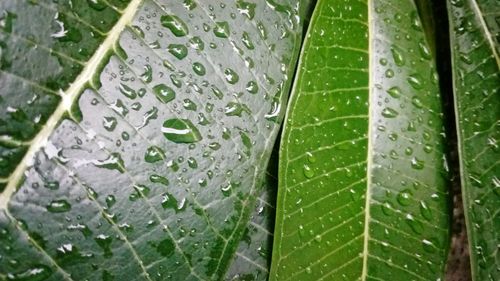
362,192
135,134
474,30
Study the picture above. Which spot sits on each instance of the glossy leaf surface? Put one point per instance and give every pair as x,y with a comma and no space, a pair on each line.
362,193
474,30
135,136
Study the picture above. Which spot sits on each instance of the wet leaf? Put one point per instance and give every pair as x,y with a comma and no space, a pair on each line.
119,160
474,33
362,192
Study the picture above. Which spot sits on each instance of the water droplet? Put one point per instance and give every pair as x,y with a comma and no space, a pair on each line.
180,131
252,87
414,224
104,241
246,8
192,163
59,206
308,171
236,109
389,113
147,75
189,4
417,102
417,164
415,81
127,91
189,105
154,178
37,272
197,43
179,51
394,92
164,93
397,55
247,41
221,29
110,200
424,50
425,211
113,162
154,154
428,246
404,197
231,76
109,123
175,24
199,68
389,73
310,157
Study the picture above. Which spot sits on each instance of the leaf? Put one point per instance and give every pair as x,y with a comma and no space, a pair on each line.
135,134
362,192
475,55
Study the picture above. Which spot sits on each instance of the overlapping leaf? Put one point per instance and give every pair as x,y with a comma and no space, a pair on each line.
474,30
362,193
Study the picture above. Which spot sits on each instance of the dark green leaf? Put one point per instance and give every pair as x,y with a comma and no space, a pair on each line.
474,33
362,192
135,135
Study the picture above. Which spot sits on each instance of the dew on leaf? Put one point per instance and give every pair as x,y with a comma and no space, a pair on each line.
180,131
175,24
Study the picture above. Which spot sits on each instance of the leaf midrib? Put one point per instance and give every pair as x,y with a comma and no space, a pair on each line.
68,98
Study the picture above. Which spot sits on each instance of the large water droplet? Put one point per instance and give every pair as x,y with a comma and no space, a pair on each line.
394,92
415,81
308,171
164,93
179,51
221,29
127,91
417,164
154,154
389,113
246,8
404,197
180,131
397,55
231,76
175,24
199,68
113,162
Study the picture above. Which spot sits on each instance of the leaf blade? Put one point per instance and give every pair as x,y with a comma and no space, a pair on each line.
356,94
105,185
475,68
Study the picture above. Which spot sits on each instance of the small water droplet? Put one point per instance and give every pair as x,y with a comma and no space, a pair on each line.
58,206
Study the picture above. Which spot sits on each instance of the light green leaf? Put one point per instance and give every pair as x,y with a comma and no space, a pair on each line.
362,192
474,37
135,134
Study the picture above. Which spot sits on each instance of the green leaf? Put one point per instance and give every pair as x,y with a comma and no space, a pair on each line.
475,45
135,135
362,192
